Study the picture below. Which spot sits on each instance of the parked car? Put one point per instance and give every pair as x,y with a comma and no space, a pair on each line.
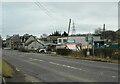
42,49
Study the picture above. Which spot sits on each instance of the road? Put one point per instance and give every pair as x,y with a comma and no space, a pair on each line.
43,67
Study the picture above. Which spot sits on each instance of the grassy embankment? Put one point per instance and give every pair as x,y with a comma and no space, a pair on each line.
102,55
91,58
5,69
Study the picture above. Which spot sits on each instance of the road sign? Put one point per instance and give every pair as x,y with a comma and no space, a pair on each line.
70,41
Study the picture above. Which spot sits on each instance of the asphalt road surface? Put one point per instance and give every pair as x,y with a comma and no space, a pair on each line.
45,68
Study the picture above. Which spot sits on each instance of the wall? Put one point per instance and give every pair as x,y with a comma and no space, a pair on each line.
30,39
33,46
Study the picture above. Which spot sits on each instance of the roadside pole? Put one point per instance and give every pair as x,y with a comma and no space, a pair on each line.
69,28
88,52
93,45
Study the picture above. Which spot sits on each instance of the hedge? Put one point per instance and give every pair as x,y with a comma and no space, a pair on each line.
64,51
99,52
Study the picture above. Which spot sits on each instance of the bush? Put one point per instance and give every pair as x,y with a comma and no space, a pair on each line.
76,53
107,52
33,51
23,50
84,52
64,51
51,48
116,54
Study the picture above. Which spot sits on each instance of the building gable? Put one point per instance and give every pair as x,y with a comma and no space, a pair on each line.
29,40
34,45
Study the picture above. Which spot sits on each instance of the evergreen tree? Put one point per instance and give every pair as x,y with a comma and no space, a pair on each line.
65,34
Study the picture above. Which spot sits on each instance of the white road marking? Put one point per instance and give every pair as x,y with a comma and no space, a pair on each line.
68,66
113,76
65,66
79,69
30,58
4,81
40,60
59,64
17,69
35,59
54,63
72,67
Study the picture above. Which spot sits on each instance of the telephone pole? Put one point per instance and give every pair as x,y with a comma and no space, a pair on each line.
103,31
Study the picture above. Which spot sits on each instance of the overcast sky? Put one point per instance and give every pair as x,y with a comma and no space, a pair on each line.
27,17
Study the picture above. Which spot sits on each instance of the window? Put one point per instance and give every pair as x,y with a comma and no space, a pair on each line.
64,40
59,40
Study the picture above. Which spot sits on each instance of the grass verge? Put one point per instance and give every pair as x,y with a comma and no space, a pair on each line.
91,58
6,69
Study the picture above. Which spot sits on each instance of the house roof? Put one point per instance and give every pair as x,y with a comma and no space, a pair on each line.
9,38
14,38
29,43
26,37
40,42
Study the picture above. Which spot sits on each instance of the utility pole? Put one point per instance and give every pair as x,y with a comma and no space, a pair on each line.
93,44
73,29
69,28
104,31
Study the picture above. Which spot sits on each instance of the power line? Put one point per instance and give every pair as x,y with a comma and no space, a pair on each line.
38,4
47,12
43,7
55,15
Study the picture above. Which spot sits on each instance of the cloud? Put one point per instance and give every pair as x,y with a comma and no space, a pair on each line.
26,17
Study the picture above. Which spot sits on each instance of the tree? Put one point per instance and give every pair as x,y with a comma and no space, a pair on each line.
65,34
109,35
56,33
98,31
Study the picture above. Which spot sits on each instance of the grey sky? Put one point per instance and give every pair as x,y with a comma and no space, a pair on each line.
27,17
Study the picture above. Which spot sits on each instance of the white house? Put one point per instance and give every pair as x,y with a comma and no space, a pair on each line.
78,40
33,45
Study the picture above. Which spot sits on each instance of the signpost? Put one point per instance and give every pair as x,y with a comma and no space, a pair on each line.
70,41
90,40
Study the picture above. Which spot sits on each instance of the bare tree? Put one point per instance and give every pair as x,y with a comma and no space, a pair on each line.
98,31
